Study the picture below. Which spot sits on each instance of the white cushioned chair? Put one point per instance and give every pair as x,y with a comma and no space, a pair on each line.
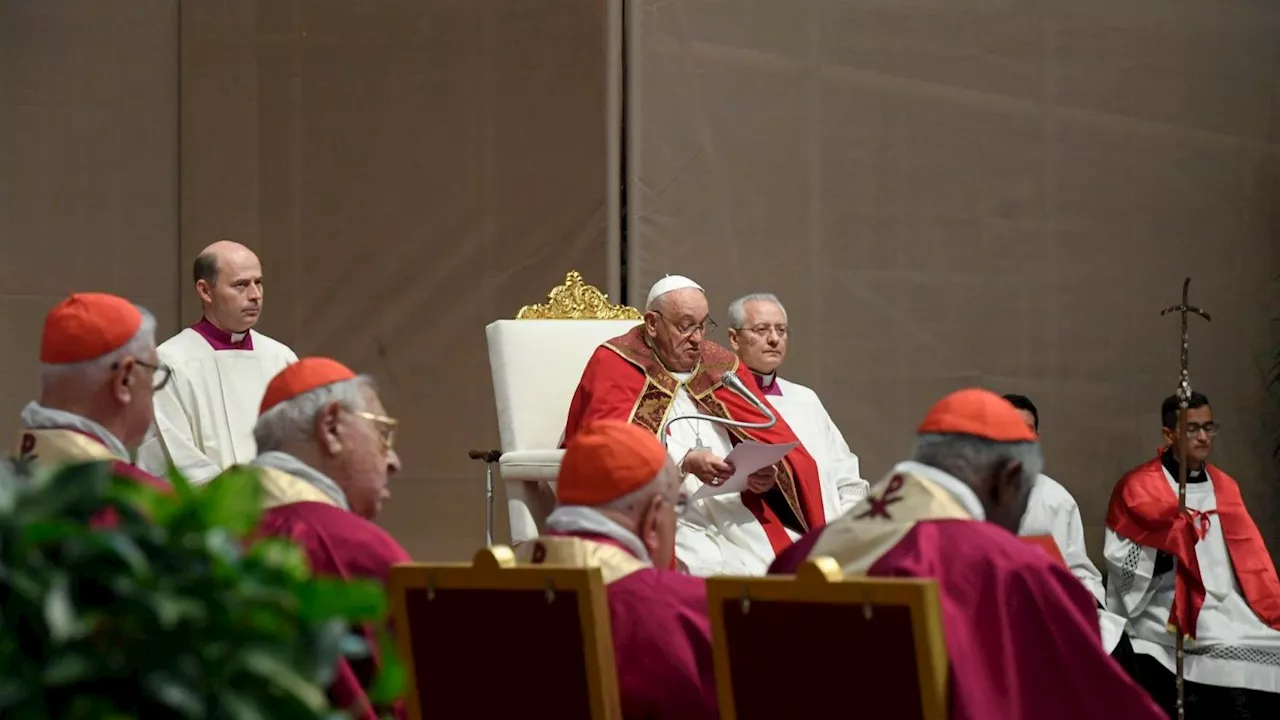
537,360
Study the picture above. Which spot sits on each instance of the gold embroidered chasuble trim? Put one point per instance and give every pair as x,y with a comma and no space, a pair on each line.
660,388
281,488
48,447
874,526
614,562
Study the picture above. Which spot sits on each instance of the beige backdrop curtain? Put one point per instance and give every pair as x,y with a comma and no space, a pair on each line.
1001,192
409,170
977,192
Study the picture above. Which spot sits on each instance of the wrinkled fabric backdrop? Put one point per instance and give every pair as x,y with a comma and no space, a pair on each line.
943,193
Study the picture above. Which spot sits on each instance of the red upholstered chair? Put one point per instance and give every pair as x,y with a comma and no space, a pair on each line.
455,623
774,636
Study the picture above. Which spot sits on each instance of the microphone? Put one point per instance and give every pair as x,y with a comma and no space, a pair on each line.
734,383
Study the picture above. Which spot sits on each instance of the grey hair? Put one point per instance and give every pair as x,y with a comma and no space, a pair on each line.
969,456
142,342
293,421
738,308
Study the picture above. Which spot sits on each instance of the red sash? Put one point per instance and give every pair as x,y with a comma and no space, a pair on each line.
625,381
1144,510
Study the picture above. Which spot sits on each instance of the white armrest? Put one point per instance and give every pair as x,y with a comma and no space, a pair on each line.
530,476
531,465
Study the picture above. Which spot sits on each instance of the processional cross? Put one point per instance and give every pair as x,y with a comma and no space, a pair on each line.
1184,401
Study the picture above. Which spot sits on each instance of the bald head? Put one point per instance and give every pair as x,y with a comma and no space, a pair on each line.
228,278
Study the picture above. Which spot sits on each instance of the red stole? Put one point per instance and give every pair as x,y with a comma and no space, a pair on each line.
624,380
1144,510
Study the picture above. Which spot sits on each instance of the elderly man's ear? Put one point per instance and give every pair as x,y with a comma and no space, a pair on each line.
327,421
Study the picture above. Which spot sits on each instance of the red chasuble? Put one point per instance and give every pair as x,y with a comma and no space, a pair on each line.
1021,631
624,380
340,544
661,632
1144,510
50,447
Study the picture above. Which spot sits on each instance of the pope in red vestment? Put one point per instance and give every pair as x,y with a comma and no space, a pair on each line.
325,454
666,367
1021,631
618,497
99,370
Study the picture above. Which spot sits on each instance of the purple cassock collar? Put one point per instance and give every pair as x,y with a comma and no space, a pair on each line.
220,339
767,383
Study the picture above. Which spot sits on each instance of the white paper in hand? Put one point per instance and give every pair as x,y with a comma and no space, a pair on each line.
746,458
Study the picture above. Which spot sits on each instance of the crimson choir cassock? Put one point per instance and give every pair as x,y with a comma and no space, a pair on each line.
1021,631
660,629
305,506
730,533
661,633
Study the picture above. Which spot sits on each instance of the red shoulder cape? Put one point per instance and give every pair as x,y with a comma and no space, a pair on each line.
625,381
1144,510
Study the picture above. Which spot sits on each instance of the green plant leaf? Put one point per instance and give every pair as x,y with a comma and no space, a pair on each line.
68,668
283,555
181,486
241,706
46,531
59,614
233,501
272,670
172,692
390,683
356,600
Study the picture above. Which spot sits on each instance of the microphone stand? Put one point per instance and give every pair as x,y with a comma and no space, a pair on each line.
731,381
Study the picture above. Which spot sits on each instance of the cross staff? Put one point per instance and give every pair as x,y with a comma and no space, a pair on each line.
1184,400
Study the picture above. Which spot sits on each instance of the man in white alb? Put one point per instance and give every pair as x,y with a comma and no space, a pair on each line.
1205,570
758,333
666,367
221,366
1052,511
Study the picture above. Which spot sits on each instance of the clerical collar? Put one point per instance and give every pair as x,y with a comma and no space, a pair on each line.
963,494
581,519
286,463
220,339
768,384
1170,461
38,417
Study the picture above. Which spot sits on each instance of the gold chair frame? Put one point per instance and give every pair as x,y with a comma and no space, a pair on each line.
495,568
821,580
574,299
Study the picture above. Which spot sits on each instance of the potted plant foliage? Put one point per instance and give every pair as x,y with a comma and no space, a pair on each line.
168,610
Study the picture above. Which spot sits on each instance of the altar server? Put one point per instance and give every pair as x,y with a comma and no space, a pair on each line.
1021,631
221,366
1206,570
666,367
618,500
758,333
